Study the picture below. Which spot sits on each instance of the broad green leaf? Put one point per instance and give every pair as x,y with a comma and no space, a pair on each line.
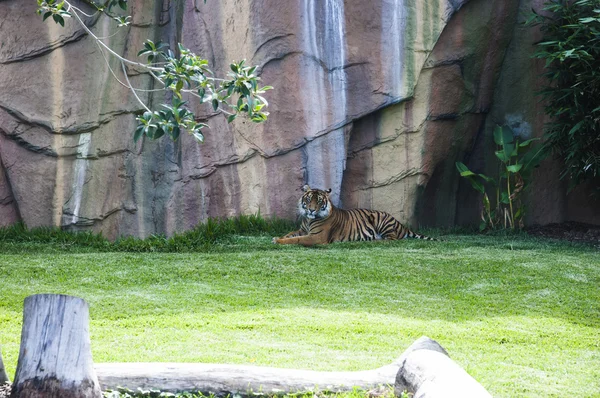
476,185
514,168
231,118
464,170
527,142
502,156
139,132
504,198
503,135
59,19
175,133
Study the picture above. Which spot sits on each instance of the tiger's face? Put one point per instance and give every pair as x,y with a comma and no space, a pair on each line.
314,203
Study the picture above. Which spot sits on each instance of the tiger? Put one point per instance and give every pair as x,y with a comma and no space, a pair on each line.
324,223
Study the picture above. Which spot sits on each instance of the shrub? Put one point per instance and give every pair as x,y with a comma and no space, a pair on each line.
571,48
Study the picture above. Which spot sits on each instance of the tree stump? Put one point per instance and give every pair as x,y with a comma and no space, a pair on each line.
55,359
3,376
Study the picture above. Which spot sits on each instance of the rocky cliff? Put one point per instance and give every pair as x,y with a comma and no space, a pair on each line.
376,100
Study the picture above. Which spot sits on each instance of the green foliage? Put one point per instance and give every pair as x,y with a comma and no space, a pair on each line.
201,238
141,393
183,74
516,162
571,48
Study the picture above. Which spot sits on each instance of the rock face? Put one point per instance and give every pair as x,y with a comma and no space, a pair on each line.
375,100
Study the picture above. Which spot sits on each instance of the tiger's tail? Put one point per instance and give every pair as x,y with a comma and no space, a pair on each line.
410,234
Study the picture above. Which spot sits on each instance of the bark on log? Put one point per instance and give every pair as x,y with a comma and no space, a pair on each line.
223,380
55,359
427,371
3,376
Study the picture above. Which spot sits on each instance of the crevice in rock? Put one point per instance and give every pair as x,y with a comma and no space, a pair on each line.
72,130
207,170
6,200
62,42
315,59
74,37
46,151
269,41
379,141
83,221
15,203
396,178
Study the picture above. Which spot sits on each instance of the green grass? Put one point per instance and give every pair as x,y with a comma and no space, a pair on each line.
520,314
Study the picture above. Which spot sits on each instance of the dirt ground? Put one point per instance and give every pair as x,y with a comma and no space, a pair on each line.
570,230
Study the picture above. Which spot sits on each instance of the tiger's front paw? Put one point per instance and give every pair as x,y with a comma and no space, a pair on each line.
275,240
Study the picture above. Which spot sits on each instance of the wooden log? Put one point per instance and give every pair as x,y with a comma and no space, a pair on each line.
426,371
55,359
3,376
423,369
223,380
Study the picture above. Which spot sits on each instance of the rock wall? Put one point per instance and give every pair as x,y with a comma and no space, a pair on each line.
375,100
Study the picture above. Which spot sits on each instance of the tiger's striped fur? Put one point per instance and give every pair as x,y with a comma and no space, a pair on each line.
322,223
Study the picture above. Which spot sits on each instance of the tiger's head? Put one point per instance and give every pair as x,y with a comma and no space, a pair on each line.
314,203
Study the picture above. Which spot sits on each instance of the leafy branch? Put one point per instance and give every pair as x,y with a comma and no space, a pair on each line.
183,74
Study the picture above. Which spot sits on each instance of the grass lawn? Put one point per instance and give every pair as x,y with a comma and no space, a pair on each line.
520,314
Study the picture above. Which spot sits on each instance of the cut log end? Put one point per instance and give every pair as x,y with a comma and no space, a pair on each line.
427,371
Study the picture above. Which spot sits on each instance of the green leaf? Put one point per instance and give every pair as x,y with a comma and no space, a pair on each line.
139,132
215,104
250,100
476,185
198,136
179,86
515,168
58,19
46,15
464,170
231,118
575,128
527,142
175,133
504,198
503,135
502,156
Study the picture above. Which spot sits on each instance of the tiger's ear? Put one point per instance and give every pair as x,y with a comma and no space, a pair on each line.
328,190
306,188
